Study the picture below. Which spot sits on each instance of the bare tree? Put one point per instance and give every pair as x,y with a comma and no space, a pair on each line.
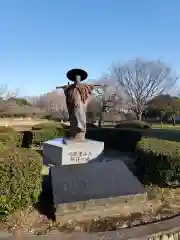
5,94
109,96
141,80
93,108
53,102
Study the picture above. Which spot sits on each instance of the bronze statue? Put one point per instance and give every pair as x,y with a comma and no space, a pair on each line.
77,95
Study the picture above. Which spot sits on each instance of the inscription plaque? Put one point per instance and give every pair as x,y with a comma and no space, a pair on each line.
80,156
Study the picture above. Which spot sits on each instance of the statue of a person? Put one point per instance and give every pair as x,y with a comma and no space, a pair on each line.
77,95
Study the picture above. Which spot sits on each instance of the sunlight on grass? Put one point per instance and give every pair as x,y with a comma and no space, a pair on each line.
166,126
45,170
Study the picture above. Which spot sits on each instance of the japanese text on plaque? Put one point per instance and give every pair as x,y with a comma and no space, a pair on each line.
79,157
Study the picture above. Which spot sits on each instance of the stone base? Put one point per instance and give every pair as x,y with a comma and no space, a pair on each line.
86,187
74,152
100,208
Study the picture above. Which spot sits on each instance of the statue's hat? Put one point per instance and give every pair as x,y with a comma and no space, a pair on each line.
71,74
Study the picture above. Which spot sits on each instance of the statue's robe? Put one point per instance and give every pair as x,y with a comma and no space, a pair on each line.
77,99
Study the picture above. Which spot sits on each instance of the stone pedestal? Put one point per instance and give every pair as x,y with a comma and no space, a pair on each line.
84,182
72,152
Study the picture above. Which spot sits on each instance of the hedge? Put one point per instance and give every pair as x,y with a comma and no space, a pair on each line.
133,124
88,125
20,178
117,139
38,137
9,136
12,138
158,161
48,125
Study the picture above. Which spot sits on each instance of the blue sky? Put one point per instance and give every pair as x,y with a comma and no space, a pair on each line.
40,40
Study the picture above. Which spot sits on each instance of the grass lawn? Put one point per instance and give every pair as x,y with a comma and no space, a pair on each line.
24,124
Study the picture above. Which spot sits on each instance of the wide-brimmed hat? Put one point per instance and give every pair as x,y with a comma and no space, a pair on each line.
71,74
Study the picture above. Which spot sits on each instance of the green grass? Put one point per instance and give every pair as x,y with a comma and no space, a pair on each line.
166,126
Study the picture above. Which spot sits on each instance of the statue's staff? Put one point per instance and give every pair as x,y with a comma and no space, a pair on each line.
65,86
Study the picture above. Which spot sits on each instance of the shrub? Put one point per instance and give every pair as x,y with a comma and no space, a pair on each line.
118,139
158,161
48,125
90,125
40,136
20,178
11,138
133,124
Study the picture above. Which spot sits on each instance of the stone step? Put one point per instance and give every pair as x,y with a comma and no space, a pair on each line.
88,188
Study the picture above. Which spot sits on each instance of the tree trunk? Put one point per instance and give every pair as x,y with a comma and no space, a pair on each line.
139,116
100,118
174,121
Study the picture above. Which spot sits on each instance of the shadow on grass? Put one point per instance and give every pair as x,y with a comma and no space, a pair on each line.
45,205
165,134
